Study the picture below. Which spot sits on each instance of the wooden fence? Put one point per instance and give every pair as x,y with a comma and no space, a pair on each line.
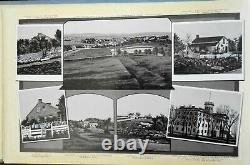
42,132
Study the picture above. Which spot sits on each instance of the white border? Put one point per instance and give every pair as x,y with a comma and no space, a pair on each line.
40,77
215,90
19,114
210,77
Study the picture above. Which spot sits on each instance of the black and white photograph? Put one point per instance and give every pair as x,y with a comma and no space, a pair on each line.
43,114
144,117
91,120
39,52
205,115
121,54
208,50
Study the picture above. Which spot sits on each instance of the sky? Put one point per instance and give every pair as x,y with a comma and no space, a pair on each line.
29,98
29,31
197,96
143,103
118,26
229,29
85,106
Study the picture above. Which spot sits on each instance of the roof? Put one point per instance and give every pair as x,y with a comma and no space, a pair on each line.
42,110
209,41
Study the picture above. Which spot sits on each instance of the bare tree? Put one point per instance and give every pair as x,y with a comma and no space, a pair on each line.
188,39
172,118
232,117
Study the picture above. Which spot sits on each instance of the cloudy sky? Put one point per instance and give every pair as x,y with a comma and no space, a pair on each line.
229,29
29,31
143,103
118,26
84,106
29,98
197,96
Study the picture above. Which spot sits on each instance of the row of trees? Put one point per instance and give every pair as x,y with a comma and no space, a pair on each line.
38,43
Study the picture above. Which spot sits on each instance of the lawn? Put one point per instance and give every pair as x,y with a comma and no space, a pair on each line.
85,141
87,53
118,72
99,73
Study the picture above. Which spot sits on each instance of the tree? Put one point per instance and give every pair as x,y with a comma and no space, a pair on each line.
24,122
231,45
178,44
62,108
58,35
55,43
155,50
107,123
172,118
138,114
188,39
34,46
119,51
135,51
239,45
232,117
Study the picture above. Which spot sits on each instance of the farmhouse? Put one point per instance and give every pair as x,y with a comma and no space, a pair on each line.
214,45
194,121
43,111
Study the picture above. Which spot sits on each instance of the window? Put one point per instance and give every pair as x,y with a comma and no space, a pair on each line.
194,130
205,131
182,129
176,128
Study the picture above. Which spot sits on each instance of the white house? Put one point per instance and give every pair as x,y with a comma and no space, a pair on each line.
204,45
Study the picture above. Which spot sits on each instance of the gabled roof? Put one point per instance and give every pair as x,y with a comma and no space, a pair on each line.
42,110
209,41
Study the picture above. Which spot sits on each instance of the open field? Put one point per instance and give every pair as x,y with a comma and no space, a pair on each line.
99,71
86,53
82,140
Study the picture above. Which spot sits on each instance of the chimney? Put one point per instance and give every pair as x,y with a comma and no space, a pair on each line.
40,100
197,36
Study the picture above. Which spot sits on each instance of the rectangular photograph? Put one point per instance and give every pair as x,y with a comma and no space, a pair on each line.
208,50
91,120
143,119
43,114
209,116
122,54
39,52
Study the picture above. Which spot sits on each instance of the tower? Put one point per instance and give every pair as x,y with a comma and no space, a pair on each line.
209,105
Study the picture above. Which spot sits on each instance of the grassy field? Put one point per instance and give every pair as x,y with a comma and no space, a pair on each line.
86,53
81,140
118,72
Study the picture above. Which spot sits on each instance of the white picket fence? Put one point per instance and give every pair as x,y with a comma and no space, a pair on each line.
41,133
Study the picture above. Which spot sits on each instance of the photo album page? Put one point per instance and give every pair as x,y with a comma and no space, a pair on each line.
125,83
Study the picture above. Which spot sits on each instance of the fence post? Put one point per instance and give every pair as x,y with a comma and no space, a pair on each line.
30,132
51,128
